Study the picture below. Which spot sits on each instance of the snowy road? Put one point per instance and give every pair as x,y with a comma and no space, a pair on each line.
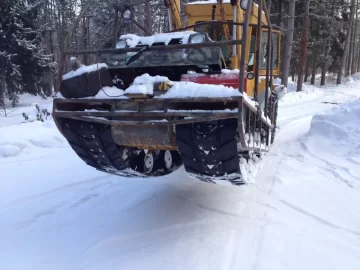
301,212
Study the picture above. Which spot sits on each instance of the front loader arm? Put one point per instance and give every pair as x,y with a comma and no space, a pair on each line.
175,13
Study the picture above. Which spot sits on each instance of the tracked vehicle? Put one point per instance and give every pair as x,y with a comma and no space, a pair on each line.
201,96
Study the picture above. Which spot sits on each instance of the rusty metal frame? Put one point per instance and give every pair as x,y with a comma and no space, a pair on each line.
242,104
199,116
158,48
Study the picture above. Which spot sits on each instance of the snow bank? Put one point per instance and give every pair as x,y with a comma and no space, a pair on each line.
356,76
133,40
334,139
309,92
27,137
340,125
84,69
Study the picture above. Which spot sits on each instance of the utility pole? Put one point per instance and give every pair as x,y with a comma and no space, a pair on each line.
304,45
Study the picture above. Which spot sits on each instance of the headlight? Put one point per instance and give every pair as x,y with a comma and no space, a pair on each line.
197,38
121,44
243,4
250,75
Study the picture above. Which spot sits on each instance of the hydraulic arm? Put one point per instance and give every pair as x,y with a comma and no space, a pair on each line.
174,13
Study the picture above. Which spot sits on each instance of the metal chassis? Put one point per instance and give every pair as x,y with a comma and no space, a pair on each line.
257,116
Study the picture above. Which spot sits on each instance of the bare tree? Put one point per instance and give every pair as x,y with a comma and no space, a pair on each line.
346,49
289,43
149,19
304,45
352,38
355,37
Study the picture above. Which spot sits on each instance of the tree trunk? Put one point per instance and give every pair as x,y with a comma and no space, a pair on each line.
306,71
348,58
84,39
343,58
358,60
2,90
346,50
149,20
352,36
289,43
279,18
356,45
323,73
116,23
313,72
304,45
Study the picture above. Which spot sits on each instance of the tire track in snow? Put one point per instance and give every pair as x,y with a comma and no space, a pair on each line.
331,168
319,219
268,175
53,191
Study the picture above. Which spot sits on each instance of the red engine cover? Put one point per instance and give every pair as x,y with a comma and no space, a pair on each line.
226,79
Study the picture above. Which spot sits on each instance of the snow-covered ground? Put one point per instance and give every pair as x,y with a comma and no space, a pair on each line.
301,212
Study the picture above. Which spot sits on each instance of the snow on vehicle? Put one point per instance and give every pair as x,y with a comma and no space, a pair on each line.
201,96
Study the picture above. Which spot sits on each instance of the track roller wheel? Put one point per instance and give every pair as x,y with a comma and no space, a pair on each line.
167,157
156,163
149,163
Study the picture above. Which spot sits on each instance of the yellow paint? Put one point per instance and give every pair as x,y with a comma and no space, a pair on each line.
203,12
174,8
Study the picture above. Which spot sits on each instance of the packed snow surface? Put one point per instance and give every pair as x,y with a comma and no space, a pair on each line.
133,40
299,212
144,84
145,89
146,78
84,69
190,89
230,71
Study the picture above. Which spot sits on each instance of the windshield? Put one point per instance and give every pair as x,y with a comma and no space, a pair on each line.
218,34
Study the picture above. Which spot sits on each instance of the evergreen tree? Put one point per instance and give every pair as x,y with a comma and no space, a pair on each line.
23,62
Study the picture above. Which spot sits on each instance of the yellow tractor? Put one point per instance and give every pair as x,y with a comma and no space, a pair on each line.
200,96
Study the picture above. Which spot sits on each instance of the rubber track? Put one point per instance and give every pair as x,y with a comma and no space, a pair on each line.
93,143
209,150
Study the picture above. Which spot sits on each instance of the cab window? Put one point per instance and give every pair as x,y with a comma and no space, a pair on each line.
218,34
263,50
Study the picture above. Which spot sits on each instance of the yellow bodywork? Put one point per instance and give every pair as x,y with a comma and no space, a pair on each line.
203,12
